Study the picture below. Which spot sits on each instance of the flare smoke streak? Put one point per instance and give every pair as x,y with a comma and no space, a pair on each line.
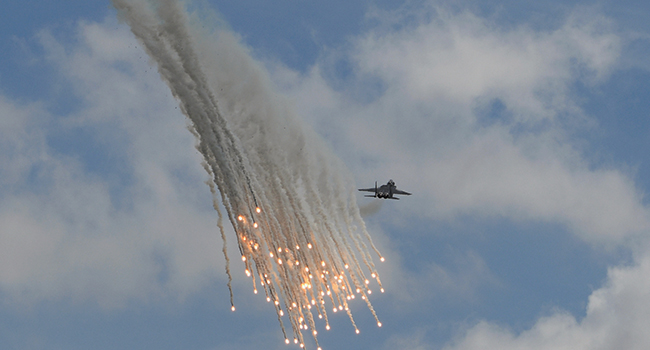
289,200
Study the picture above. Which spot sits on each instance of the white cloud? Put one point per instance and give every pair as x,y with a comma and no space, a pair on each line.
459,57
618,317
433,129
477,119
67,232
63,235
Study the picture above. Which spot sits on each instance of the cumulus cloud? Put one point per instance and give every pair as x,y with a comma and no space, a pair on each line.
617,318
461,57
478,119
482,119
472,117
131,221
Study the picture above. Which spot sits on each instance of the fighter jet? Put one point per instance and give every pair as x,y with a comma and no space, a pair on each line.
384,191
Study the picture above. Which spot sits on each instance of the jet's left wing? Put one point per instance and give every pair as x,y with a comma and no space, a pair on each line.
396,191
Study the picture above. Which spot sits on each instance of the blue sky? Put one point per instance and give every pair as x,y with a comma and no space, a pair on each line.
520,127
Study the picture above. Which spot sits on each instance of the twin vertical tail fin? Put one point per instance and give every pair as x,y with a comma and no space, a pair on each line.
374,195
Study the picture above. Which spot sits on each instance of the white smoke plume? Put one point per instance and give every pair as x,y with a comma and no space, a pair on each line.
288,198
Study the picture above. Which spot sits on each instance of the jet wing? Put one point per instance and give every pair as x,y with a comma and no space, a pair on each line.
396,191
367,189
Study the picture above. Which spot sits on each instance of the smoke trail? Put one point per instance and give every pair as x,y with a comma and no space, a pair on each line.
370,209
215,205
289,200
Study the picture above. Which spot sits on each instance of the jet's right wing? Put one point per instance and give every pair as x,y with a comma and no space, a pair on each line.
367,189
370,189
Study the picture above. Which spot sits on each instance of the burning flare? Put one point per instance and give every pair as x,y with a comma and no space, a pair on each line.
259,155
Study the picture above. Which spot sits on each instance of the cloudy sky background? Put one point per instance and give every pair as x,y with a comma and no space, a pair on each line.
520,127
